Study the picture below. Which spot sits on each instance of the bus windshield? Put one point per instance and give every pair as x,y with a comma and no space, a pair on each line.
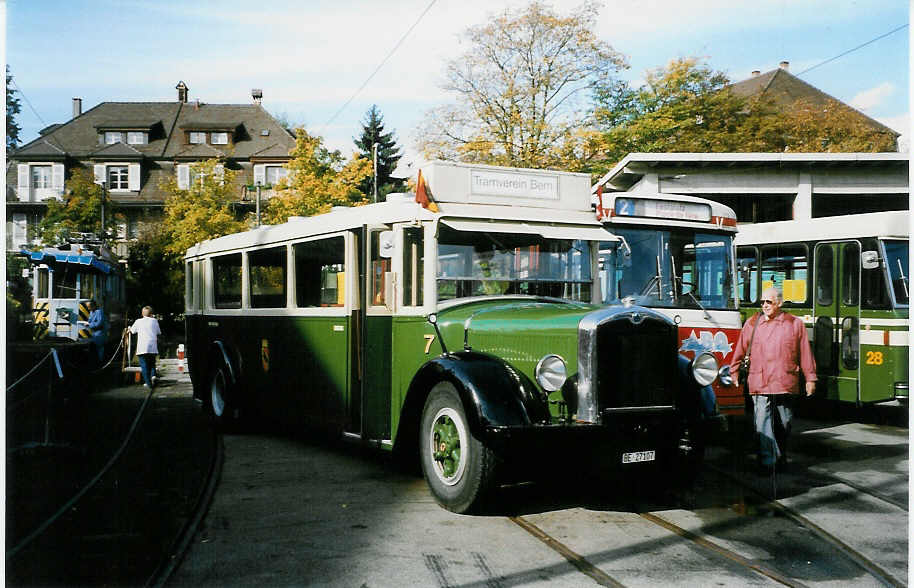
493,264
896,260
679,268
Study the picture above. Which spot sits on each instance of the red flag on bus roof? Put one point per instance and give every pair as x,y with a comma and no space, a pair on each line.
422,195
600,212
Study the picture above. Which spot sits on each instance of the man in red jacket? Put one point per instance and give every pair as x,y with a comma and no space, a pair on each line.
778,351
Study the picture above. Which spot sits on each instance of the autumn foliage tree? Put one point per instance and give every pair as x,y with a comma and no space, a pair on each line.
688,107
318,180
522,90
204,210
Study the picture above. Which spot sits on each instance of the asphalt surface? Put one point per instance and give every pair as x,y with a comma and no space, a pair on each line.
87,507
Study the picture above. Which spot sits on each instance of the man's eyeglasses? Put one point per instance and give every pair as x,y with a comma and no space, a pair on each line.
768,301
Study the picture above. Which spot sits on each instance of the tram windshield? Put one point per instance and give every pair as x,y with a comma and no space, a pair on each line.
896,260
679,268
493,264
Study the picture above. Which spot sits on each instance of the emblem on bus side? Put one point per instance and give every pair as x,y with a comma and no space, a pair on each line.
265,354
707,341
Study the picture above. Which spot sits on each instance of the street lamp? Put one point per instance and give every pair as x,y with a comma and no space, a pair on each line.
104,185
259,186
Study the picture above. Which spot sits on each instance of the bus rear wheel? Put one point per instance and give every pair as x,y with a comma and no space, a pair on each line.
459,469
224,410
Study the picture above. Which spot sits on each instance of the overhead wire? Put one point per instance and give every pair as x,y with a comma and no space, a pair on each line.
378,68
895,30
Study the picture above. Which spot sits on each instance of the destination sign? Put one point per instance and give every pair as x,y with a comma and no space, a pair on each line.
496,183
646,207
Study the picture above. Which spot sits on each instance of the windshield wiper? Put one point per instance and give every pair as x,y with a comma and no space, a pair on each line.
904,278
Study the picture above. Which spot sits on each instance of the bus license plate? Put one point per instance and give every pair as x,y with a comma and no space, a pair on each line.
637,456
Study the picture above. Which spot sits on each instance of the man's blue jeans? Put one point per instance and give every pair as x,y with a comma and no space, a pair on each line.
773,414
148,367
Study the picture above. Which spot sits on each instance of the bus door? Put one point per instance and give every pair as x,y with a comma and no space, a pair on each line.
837,320
374,333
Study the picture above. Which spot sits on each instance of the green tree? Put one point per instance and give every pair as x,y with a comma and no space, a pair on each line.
204,210
523,89
688,107
12,109
155,274
318,180
80,210
388,153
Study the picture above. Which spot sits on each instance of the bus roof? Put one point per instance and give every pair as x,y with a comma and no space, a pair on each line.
403,208
872,224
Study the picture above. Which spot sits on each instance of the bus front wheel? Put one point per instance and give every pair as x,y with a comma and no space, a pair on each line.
459,469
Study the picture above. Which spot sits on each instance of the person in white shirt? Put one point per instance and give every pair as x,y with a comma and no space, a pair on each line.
147,331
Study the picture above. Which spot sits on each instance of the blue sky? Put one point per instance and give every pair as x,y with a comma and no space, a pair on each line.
311,57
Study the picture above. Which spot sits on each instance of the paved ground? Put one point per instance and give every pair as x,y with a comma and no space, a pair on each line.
126,525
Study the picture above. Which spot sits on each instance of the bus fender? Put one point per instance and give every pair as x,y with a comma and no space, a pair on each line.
232,366
494,394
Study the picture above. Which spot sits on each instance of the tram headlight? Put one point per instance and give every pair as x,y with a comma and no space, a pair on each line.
551,373
704,369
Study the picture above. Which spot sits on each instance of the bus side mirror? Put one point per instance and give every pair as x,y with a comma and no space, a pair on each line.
869,260
386,244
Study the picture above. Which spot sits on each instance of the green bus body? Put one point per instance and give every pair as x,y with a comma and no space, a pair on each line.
466,337
847,278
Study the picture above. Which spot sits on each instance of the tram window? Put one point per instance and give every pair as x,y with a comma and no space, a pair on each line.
747,274
413,266
227,281
850,274
785,267
64,284
267,277
320,272
825,276
42,282
88,287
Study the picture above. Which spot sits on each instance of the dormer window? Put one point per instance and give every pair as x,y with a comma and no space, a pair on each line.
196,137
137,138
220,138
112,137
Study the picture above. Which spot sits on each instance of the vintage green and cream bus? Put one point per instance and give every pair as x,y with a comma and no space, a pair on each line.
467,332
848,278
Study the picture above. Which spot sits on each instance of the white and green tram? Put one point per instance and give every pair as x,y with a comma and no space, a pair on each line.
847,277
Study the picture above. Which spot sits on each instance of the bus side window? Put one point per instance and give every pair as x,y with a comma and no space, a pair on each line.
379,267
267,277
850,286
189,285
320,272
413,266
825,269
747,274
227,281
786,267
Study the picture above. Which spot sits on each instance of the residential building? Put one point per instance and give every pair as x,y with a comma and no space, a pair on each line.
133,147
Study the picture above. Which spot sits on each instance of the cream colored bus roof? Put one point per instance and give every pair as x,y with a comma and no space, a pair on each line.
873,224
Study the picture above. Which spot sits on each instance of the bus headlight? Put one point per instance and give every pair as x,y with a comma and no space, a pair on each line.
551,373
704,369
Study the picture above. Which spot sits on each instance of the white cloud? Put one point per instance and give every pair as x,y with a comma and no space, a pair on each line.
872,97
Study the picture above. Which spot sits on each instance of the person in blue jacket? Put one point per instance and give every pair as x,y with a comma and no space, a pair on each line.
98,328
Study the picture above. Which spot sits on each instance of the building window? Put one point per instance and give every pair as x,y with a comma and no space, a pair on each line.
112,137
118,177
219,138
196,137
274,173
41,176
136,138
